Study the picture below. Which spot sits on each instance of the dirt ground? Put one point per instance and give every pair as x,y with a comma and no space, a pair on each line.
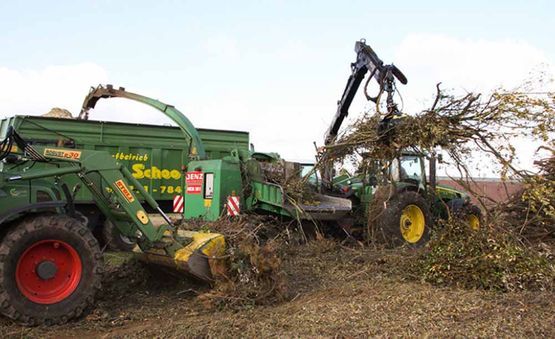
335,292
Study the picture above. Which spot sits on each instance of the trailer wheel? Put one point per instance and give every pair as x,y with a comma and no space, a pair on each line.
50,270
114,240
406,220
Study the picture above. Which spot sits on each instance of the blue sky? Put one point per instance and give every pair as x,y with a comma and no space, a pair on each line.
274,68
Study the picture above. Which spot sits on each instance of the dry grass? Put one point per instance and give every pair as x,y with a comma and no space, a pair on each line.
337,292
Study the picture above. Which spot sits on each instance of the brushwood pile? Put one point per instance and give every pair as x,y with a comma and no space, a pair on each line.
512,250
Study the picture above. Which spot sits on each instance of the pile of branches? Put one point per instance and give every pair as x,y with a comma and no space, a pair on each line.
532,210
490,259
464,127
459,125
288,176
254,273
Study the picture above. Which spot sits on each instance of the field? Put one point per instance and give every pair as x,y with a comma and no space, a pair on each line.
335,291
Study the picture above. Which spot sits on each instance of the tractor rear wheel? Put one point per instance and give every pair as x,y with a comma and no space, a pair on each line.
50,270
406,220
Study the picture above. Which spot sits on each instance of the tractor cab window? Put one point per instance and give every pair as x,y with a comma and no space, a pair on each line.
314,176
411,168
306,168
394,170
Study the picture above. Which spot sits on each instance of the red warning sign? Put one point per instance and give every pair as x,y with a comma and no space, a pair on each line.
233,208
194,181
178,204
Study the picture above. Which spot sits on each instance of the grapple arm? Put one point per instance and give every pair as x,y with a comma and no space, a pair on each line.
367,61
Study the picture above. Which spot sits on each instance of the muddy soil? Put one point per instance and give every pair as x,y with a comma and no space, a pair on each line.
335,291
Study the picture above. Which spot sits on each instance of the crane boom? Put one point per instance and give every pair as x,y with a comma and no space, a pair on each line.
367,61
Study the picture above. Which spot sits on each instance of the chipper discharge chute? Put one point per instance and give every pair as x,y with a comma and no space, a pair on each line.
50,266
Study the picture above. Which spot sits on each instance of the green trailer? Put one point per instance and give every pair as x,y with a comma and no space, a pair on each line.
155,155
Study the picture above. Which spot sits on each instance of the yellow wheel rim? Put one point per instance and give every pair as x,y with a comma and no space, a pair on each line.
474,222
412,223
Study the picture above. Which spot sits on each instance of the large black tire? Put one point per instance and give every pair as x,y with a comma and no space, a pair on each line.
50,270
406,220
114,240
466,211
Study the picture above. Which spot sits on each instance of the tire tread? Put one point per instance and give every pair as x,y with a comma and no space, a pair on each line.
25,228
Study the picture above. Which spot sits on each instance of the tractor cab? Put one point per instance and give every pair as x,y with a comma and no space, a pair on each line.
406,172
409,171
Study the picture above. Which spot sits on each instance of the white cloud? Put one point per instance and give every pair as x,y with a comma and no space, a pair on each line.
221,47
35,92
463,65
469,65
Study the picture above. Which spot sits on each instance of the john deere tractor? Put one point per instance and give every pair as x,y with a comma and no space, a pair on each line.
403,203
408,200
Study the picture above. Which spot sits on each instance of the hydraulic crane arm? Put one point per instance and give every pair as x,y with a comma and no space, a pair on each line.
170,111
367,61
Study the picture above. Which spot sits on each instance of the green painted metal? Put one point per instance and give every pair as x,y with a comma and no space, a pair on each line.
108,91
269,197
153,154
100,174
209,204
261,196
446,193
53,172
239,177
17,194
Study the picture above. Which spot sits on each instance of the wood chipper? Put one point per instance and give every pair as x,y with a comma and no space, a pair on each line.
49,258
230,183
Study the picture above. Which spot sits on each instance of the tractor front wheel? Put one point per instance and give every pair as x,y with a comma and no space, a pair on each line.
50,270
114,240
473,216
406,220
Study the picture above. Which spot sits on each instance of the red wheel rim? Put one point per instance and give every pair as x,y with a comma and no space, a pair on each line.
48,271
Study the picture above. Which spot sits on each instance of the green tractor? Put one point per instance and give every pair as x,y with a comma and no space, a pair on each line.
408,201
50,262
